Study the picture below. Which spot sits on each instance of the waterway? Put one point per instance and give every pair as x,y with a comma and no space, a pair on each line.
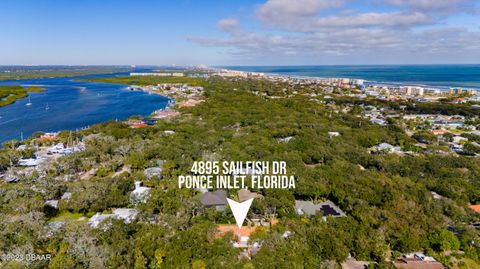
70,104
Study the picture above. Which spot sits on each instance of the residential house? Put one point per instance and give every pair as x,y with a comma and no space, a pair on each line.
56,149
66,196
285,139
242,235
327,209
98,218
10,178
30,161
165,114
352,263
379,122
62,150
475,208
245,194
153,172
150,121
385,148
47,137
52,203
127,215
138,125
440,132
436,196
139,194
216,199
333,134
459,139
417,261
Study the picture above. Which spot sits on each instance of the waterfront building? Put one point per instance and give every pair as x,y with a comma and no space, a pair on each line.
159,74
456,91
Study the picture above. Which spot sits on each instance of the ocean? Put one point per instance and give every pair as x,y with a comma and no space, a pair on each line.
433,76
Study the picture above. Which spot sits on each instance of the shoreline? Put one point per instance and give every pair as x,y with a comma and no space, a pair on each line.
172,101
369,82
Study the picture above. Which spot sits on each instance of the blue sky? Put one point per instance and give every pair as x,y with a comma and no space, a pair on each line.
221,32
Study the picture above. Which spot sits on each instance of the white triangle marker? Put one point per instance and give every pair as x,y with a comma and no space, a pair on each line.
240,210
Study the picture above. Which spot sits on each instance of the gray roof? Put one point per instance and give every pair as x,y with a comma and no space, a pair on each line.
327,208
66,196
386,147
153,172
306,207
52,203
218,197
126,214
98,218
244,194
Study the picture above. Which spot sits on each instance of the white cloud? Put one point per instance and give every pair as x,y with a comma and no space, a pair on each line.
440,42
362,20
288,8
374,19
227,25
430,5
314,29
279,12
305,16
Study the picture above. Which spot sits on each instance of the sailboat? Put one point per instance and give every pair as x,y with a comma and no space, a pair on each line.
47,107
29,102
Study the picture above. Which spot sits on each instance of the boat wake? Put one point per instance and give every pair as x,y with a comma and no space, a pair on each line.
8,121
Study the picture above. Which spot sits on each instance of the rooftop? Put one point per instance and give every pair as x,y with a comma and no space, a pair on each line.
327,208
218,197
475,208
245,194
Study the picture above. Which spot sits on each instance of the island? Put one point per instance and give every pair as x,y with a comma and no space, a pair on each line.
38,72
10,94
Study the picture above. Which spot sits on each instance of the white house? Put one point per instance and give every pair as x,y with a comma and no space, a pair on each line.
66,196
333,134
385,147
57,149
285,139
98,218
52,203
30,162
127,215
139,194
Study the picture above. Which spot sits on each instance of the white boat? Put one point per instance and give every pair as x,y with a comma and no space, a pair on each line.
47,107
29,102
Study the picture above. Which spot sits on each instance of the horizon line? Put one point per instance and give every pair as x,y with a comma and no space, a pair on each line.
251,65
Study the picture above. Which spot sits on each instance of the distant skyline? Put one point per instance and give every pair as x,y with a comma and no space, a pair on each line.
249,32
